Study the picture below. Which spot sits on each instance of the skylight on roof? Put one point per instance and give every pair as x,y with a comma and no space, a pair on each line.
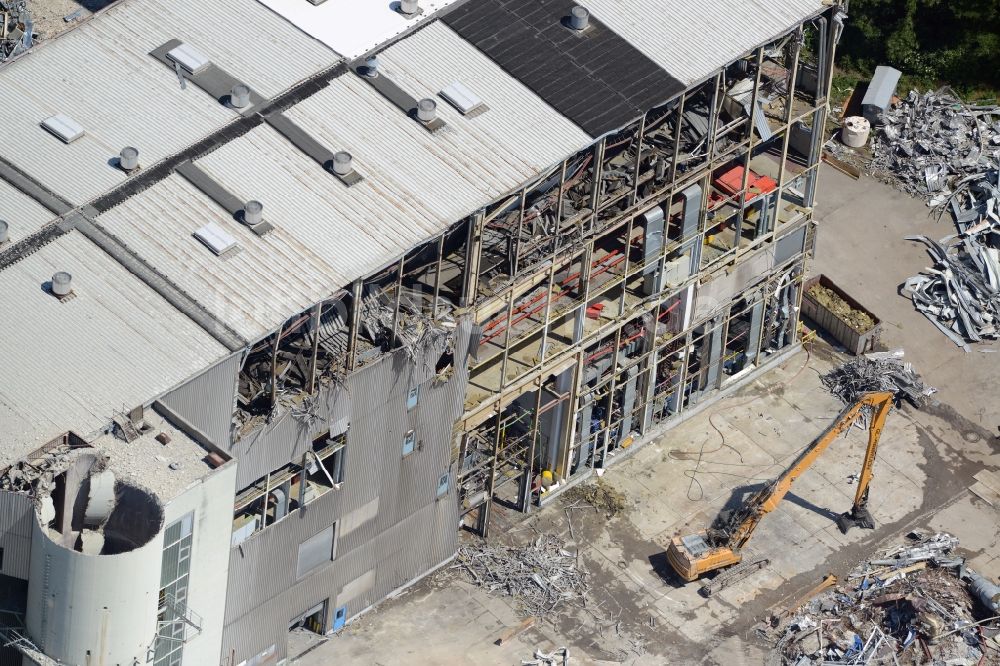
64,127
216,238
188,57
460,97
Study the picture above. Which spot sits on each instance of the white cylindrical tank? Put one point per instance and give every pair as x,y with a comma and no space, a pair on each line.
855,131
99,609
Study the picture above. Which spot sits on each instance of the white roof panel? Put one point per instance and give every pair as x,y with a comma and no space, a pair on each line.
253,291
352,27
23,215
415,184
102,75
115,345
690,39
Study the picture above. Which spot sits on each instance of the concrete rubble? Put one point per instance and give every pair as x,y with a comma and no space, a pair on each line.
879,371
937,147
912,604
541,576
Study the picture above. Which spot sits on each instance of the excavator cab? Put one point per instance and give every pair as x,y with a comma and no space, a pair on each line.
691,556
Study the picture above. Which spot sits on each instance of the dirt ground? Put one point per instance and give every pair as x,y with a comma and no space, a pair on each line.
49,15
637,611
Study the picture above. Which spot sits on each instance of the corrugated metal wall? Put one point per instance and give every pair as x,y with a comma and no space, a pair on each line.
16,516
206,402
412,530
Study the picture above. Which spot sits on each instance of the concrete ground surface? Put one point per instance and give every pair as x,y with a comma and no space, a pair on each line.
637,612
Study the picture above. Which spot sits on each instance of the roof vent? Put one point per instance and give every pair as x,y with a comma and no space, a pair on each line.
239,97
370,68
216,238
461,98
409,7
62,285
579,18
189,58
128,159
4,235
253,213
342,163
64,127
426,110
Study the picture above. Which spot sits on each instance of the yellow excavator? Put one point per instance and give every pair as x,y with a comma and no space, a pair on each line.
721,545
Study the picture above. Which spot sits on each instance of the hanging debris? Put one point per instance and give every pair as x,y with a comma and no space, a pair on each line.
880,371
540,576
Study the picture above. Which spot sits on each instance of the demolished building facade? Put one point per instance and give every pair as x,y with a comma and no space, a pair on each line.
333,296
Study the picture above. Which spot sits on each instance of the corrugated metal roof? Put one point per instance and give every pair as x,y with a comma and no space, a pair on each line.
692,38
353,27
596,78
23,215
253,291
102,76
69,365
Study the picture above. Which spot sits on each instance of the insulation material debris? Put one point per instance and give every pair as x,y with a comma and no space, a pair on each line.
879,371
913,604
558,657
541,576
860,321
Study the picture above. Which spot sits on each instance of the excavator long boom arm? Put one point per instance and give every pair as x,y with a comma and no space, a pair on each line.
768,499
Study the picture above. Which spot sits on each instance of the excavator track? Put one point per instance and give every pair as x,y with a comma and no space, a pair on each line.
730,576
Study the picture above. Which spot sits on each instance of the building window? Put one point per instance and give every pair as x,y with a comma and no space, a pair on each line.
412,398
275,496
442,488
316,551
172,615
409,441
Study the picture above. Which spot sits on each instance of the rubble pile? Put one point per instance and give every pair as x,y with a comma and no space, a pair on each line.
937,147
16,28
961,293
909,605
540,576
604,497
934,146
879,371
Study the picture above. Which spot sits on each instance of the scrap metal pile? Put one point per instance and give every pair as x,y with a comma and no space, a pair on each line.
880,371
540,576
15,28
937,147
914,604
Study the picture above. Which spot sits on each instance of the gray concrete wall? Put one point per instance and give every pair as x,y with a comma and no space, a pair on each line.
391,525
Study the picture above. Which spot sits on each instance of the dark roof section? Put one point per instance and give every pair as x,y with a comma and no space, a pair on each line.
595,78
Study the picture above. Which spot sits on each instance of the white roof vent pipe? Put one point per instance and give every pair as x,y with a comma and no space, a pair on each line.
409,7
253,213
371,67
579,18
239,97
62,284
4,231
426,110
128,158
343,163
